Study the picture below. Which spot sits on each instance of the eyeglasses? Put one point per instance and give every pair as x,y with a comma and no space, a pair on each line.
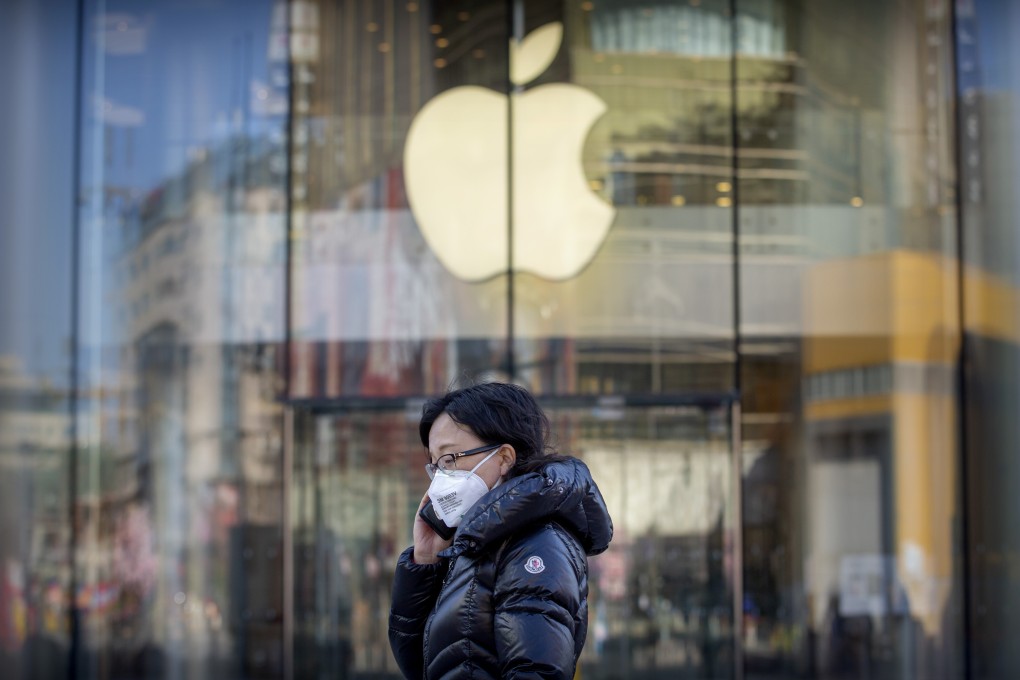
448,462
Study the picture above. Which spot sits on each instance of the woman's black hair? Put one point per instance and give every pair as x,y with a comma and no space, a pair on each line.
498,413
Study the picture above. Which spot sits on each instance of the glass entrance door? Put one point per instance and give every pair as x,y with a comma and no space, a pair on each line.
660,601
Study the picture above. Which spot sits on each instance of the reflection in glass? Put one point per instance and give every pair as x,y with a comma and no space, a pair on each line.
662,594
850,331
988,95
37,47
375,312
634,321
181,297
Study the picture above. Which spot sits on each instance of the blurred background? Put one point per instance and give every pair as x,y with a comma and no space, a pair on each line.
787,347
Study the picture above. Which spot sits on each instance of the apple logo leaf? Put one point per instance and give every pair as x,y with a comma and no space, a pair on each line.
534,54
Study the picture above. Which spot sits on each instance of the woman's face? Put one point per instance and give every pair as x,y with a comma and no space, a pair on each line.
450,437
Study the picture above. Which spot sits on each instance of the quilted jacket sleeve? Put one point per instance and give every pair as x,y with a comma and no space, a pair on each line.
540,606
415,588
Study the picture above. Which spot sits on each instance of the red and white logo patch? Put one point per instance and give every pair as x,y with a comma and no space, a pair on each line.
534,565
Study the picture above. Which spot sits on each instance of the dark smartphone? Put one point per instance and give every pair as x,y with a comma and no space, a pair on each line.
428,513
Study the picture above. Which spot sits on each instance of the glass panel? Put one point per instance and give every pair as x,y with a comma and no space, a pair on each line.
182,316
398,107
661,597
989,89
38,49
357,481
850,331
640,296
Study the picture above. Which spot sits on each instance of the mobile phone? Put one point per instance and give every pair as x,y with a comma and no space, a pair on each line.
428,513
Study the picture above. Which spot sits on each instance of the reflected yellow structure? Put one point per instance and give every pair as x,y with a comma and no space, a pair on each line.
882,341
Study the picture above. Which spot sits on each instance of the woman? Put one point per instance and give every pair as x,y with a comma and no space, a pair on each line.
507,596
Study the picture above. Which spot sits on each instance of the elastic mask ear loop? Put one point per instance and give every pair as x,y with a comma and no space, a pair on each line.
483,461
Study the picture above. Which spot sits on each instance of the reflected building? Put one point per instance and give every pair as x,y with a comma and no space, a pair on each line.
199,268
34,440
789,360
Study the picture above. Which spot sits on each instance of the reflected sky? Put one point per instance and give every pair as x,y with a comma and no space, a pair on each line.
176,78
997,23
36,183
153,100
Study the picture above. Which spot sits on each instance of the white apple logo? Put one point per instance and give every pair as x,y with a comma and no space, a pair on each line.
455,171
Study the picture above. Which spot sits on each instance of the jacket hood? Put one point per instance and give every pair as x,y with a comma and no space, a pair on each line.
562,491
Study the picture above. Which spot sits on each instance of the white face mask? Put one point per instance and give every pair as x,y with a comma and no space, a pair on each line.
453,493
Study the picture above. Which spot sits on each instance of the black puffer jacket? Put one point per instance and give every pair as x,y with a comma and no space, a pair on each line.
509,598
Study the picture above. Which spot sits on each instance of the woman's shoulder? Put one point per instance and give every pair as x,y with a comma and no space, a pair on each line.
544,559
549,537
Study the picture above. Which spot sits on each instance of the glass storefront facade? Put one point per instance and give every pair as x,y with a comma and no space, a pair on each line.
757,258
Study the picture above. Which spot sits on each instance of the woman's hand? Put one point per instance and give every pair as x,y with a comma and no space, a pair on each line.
427,543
